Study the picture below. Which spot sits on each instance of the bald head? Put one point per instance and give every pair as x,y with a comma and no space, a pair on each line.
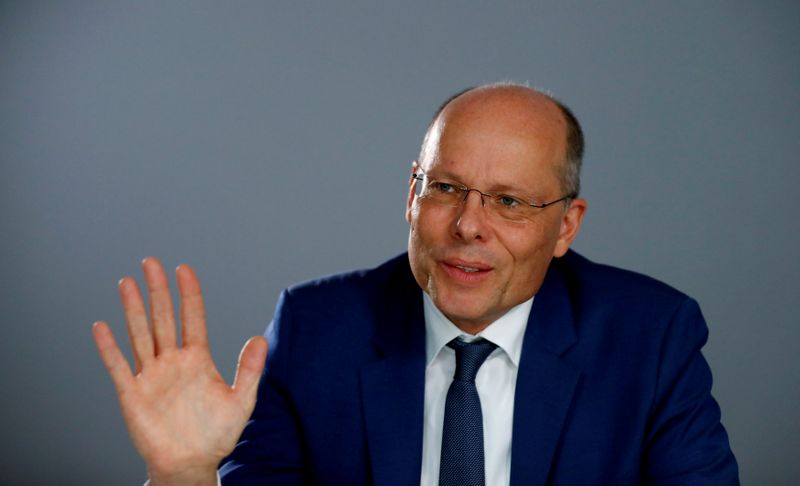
518,109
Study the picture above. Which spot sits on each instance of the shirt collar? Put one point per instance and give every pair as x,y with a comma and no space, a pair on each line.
506,332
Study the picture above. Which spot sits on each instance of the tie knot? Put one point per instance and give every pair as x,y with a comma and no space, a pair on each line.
470,357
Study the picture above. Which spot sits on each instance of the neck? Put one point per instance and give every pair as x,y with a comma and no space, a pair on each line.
468,326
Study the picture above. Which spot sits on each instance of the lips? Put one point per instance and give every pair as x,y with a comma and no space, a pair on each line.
467,272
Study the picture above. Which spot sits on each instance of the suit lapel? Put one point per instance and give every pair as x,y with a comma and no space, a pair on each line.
545,383
393,386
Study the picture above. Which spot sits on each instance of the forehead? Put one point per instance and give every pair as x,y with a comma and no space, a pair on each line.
509,138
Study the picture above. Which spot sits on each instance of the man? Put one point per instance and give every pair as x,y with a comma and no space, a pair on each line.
519,362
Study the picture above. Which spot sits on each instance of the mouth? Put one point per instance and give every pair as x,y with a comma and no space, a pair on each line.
465,271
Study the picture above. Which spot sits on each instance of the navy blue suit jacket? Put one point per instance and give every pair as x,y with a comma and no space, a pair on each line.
611,387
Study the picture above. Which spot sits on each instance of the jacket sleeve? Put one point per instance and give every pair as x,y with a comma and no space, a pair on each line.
686,443
270,450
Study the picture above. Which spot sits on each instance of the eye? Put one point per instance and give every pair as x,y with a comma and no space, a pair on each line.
508,201
444,187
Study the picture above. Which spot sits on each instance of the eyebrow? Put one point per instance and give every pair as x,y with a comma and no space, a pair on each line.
497,188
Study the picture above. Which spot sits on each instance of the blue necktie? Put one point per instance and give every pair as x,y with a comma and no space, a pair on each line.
462,434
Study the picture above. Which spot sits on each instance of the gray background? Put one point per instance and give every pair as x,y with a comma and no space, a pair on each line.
267,143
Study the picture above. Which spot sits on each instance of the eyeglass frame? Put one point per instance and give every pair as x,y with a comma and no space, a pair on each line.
466,190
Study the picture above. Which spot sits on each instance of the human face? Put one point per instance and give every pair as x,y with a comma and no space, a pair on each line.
472,265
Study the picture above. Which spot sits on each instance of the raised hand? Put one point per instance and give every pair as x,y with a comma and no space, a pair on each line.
182,416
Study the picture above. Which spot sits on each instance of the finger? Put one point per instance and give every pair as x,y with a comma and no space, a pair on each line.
112,357
248,371
193,314
136,317
162,314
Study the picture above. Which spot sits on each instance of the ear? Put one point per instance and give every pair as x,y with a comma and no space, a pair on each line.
412,185
570,225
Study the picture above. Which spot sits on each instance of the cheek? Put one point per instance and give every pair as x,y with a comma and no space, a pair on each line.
419,253
412,210
528,246
420,235
429,224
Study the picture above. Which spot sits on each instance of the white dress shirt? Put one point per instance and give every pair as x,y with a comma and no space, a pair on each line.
496,382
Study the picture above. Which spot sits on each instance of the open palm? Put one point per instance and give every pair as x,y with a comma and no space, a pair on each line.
182,416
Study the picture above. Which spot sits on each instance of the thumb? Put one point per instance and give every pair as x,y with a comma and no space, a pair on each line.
248,370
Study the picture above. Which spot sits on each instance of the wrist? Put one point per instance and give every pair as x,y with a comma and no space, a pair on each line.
203,476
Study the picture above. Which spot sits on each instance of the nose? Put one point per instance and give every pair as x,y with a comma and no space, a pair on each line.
471,222
470,191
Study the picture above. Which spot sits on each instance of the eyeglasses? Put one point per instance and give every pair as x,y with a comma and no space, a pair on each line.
506,206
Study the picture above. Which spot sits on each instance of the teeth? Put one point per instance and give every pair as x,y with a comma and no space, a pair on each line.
467,269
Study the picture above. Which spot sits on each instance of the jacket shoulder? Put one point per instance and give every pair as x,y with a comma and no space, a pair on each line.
608,282
355,284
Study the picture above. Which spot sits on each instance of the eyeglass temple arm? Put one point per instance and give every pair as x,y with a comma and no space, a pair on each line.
571,195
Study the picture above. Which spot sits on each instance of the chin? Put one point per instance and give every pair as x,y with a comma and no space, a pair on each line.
461,308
